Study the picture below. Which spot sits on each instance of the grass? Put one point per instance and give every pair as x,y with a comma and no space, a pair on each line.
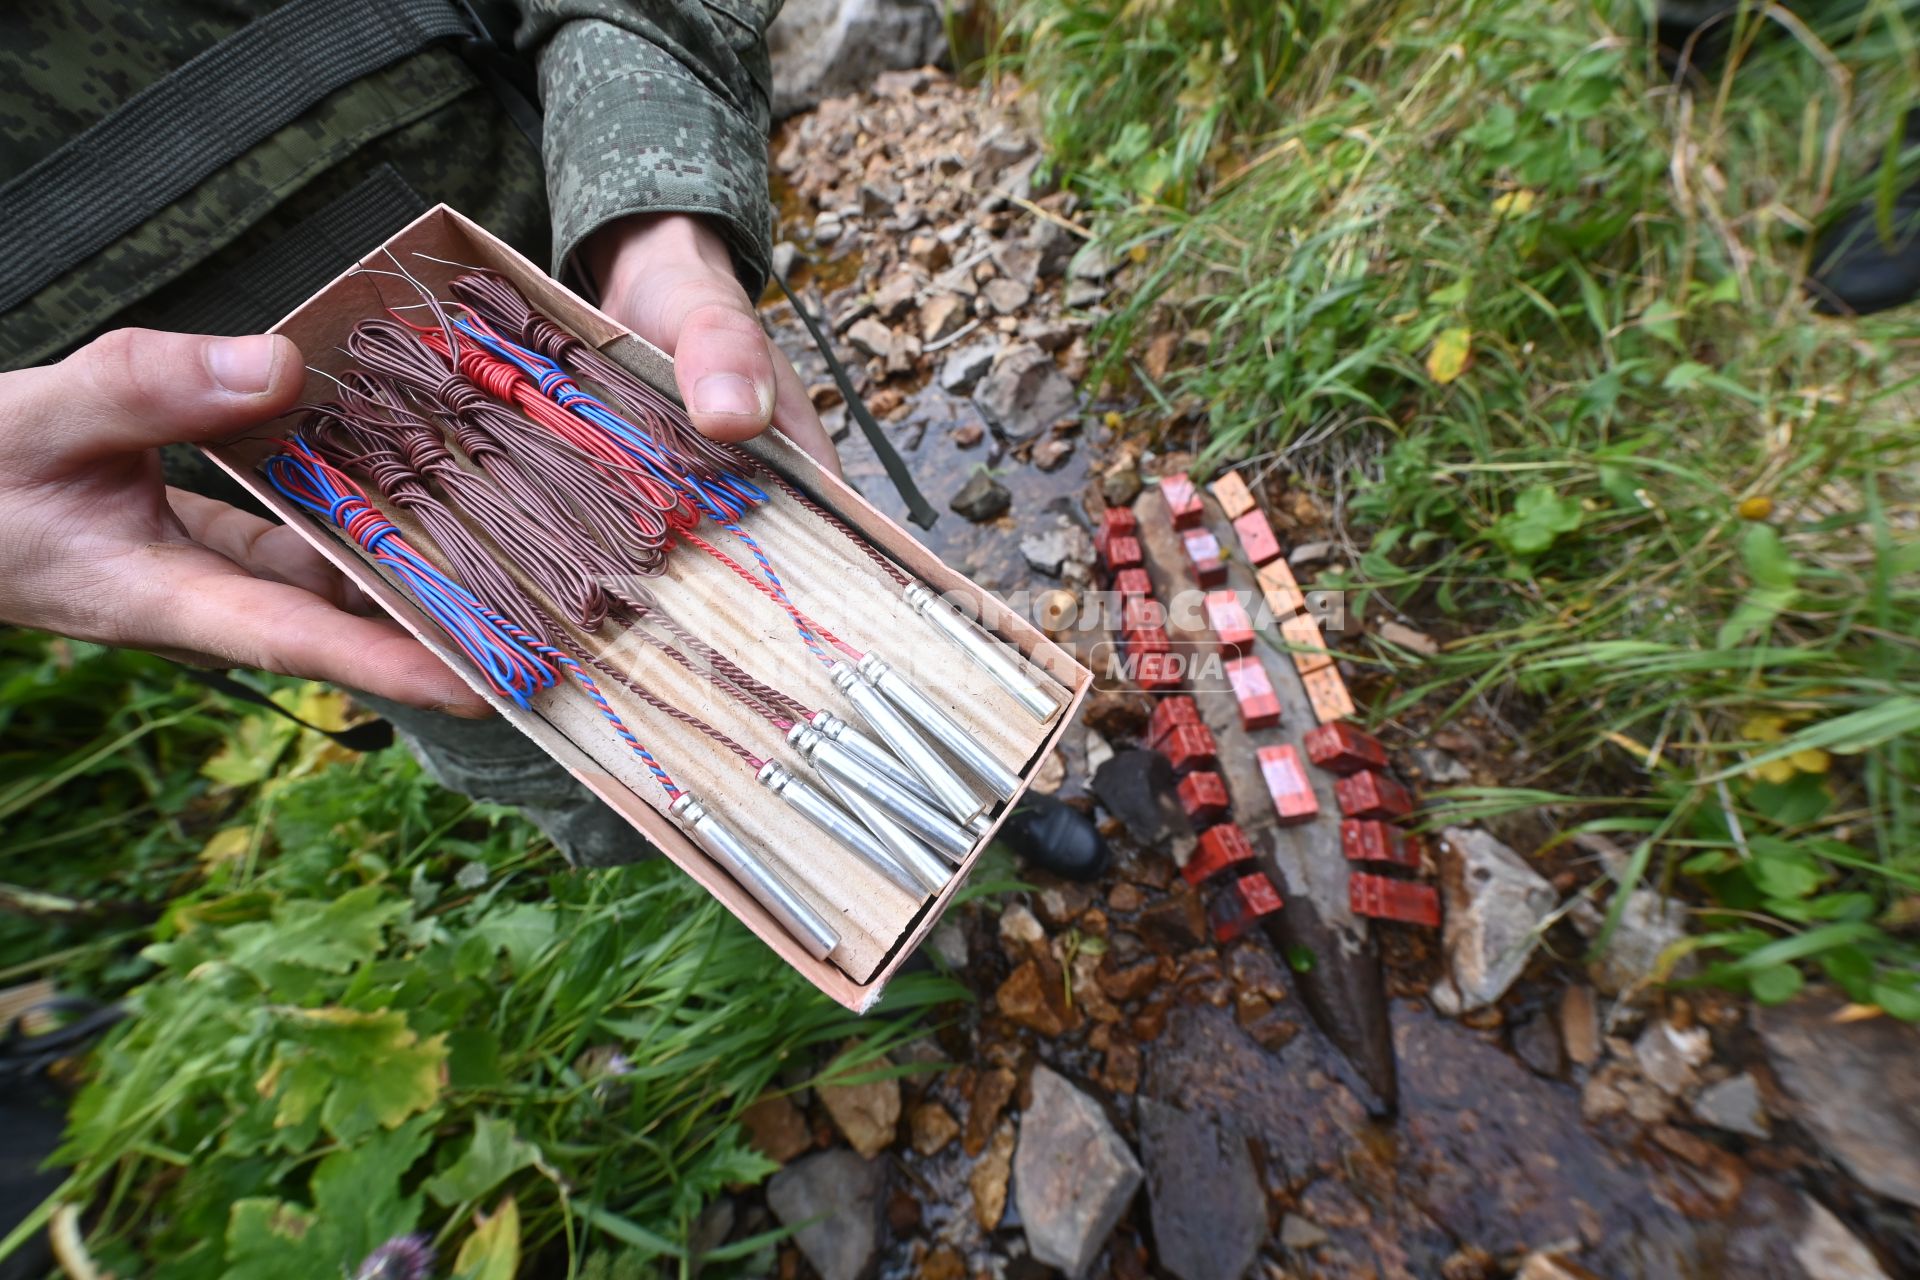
1528,314
363,1006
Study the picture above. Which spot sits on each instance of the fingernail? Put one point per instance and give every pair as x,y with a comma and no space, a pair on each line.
243,366
728,395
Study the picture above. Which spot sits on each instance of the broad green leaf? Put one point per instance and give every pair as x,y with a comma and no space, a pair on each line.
361,1070
492,1252
1448,358
1775,983
494,1154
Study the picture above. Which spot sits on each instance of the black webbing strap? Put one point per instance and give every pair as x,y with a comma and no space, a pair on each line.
161,142
369,735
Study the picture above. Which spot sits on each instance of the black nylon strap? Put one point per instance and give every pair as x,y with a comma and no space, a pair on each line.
157,145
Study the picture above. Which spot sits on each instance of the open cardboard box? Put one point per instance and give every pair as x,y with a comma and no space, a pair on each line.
832,580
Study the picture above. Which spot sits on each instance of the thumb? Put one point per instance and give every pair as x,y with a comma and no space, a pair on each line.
723,365
134,389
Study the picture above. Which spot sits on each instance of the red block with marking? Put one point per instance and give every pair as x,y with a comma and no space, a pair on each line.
1373,795
1122,552
1167,715
1204,797
1142,613
1190,747
1287,783
1257,894
1371,840
1157,672
1253,689
1385,899
1220,847
1119,520
1203,553
1341,748
1256,537
1183,500
1147,640
1132,584
1229,621
1232,913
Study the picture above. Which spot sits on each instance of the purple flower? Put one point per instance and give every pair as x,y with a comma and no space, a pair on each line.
401,1258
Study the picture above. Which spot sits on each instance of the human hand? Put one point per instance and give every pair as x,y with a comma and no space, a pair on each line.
669,278
94,545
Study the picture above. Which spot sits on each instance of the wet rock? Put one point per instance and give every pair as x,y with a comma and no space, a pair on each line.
1030,998
871,337
1495,904
1073,1175
1617,1089
832,1200
1580,1024
1174,924
1537,1043
1671,1056
982,498
1061,904
1120,1068
1831,1252
1137,787
776,1128
969,434
1649,924
1120,484
960,371
1051,455
948,943
1024,392
1853,1086
1021,933
1734,1105
1297,1232
988,1178
867,1113
992,1090
824,48
1050,551
1131,981
1208,1211
933,1128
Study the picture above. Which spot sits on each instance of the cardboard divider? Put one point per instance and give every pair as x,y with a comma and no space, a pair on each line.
830,579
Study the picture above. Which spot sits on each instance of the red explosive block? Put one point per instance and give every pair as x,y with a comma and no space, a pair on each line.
1328,694
1280,589
1204,797
1372,795
1190,747
1287,783
1147,640
1203,553
1119,520
1302,632
1256,537
1122,552
1386,899
1370,840
1253,689
1183,500
1229,621
1232,913
1257,894
1156,672
1133,584
1167,715
1220,847
1142,613
1341,748
1233,495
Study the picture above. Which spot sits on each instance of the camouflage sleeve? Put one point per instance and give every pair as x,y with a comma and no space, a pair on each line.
656,106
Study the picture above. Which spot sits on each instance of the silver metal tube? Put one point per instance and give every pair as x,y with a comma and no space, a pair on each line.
955,796
859,744
926,821
991,654
966,748
905,847
828,816
784,903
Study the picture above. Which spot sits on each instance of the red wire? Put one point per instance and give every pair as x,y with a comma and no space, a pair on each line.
768,592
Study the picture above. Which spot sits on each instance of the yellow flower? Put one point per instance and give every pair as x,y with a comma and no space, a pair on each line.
1514,202
1757,507
1114,421
1767,727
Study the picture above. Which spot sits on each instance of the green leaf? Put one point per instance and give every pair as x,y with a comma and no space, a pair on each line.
492,1252
1765,557
494,1154
523,930
1775,983
1539,516
361,1070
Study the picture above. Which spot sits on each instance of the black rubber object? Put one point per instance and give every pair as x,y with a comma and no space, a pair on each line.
1056,838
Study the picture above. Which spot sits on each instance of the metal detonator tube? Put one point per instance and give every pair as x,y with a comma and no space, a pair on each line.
985,651
916,815
795,914
906,849
828,816
837,730
969,750
956,797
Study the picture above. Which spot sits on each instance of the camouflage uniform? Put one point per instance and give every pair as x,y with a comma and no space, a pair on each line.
650,106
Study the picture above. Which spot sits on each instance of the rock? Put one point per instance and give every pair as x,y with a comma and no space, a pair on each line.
832,1200
1021,934
1082,295
991,1093
1050,551
868,1113
1024,392
878,199
1051,774
1537,1043
1853,1086
988,1178
941,315
1495,904
825,48
1617,1088
1061,904
1541,1265
1580,1025
1004,297
982,497
1439,768
891,301
1116,713
968,434
1029,998
826,229
1310,553
1829,1251
1405,637
1120,483
1208,1210
1099,751
871,337
930,252
1649,924
776,1128
1128,982
1671,1056
1019,261
1073,1175
1091,262
967,364
948,943
1174,924
933,1128
1734,1105
1297,1232
1052,454
1137,787
786,256
1002,149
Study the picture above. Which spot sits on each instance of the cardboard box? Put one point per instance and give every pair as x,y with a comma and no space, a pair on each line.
831,579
